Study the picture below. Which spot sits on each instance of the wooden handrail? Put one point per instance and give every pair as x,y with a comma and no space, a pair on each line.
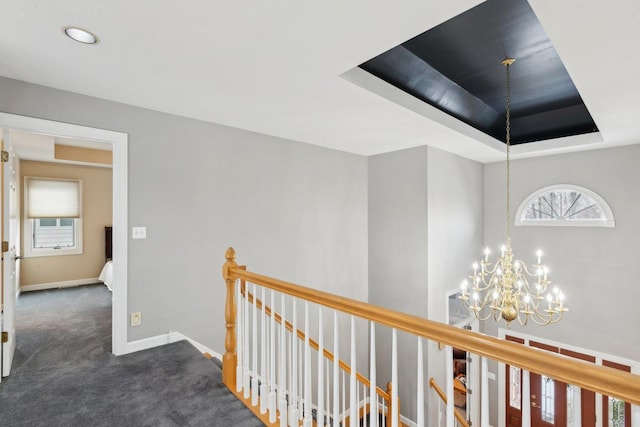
314,344
456,413
601,379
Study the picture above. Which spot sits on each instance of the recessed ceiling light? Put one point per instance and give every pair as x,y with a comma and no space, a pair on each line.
80,35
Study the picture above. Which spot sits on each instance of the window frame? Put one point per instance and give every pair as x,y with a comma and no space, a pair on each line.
29,228
608,220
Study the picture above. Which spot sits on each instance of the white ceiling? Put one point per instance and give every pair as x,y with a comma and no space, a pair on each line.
285,67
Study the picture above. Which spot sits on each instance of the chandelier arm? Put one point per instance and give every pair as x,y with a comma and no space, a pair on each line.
483,285
534,292
491,271
526,319
485,317
483,288
548,317
477,312
556,320
542,321
530,273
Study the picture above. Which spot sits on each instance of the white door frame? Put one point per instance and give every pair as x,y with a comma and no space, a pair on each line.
119,143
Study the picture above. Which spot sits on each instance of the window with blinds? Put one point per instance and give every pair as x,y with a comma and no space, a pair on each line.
53,211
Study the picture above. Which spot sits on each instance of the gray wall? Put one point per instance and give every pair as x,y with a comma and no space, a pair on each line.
291,210
398,256
425,222
596,267
455,199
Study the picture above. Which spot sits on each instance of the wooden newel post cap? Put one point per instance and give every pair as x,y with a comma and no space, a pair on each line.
230,255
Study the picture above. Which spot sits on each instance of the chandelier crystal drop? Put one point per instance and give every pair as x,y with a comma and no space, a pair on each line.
507,288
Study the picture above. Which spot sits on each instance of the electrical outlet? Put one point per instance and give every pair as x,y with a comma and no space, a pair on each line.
136,318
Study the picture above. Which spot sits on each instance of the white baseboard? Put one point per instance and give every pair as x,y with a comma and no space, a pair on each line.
177,336
167,338
56,285
407,421
146,343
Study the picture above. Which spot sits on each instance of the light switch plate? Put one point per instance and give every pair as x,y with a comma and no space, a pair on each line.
138,232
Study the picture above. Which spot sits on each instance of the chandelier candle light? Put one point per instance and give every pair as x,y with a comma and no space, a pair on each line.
508,288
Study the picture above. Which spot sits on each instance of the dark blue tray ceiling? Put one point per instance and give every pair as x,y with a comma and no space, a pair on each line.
456,67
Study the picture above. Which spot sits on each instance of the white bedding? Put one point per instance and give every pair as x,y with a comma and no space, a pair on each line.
106,275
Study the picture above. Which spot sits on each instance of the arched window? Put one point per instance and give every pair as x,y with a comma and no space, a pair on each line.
565,205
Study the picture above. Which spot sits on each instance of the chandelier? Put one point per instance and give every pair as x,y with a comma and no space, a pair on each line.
507,288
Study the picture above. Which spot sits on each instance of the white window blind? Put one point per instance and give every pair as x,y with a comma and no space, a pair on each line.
53,198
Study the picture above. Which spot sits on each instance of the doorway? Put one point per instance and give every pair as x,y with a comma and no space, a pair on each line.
119,142
539,401
548,396
466,366
552,402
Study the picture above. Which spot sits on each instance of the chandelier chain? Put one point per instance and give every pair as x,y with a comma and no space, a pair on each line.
508,142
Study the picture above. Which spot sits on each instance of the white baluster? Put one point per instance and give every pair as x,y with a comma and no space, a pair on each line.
327,400
484,393
254,379
300,382
320,412
293,399
246,379
420,390
364,398
353,396
336,371
526,399
272,361
448,384
394,379
240,329
373,398
263,357
360,398
357,404
344,396
282,384
307,369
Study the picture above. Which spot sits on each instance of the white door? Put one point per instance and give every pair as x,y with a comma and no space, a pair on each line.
10,227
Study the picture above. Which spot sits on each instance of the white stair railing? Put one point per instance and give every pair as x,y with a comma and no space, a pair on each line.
279,382
270,361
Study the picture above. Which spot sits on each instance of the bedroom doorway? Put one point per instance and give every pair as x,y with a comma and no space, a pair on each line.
119,143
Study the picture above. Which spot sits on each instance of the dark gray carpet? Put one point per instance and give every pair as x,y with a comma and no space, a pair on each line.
65,375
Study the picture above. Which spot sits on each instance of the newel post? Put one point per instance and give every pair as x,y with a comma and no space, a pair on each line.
230,357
